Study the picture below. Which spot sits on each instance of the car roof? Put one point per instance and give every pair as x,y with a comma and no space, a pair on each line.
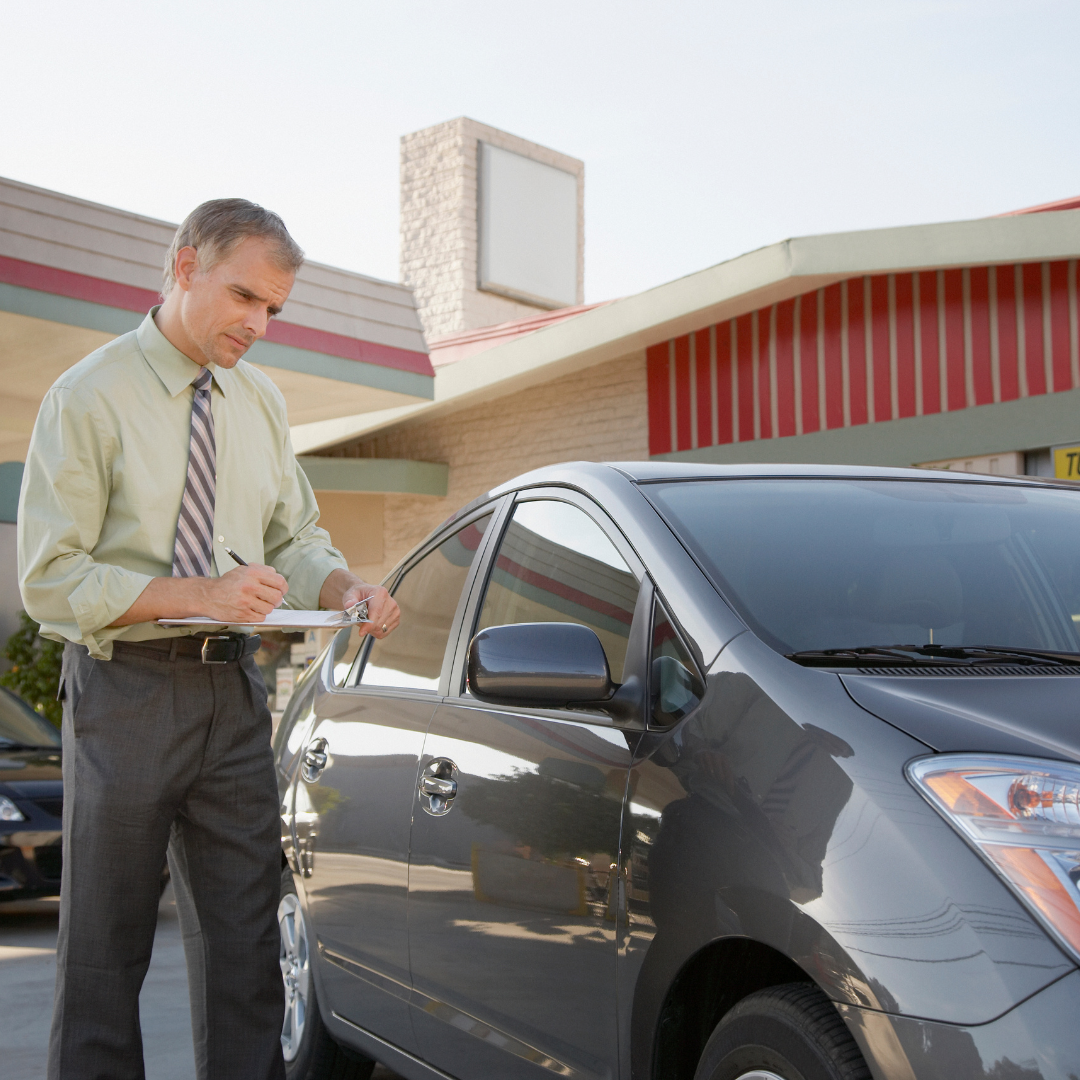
645,471
578,474
650,471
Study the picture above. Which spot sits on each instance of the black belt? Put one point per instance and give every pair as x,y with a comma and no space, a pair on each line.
209,648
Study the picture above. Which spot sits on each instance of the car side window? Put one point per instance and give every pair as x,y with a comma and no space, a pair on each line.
555,564
675,687
428,594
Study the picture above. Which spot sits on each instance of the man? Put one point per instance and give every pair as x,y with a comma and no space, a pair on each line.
148,457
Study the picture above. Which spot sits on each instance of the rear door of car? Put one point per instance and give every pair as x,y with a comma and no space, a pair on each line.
352,815
512,894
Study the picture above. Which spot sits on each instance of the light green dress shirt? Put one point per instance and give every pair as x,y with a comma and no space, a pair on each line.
105,475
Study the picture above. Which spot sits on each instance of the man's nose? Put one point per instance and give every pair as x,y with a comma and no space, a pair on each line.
255,322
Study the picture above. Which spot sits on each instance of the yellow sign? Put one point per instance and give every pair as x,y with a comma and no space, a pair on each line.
1067,462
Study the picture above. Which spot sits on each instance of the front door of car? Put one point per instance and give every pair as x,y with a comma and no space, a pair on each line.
511,885
353,814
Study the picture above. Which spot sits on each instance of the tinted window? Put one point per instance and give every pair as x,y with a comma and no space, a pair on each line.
819,564
20,724
673,682
428,595
555,564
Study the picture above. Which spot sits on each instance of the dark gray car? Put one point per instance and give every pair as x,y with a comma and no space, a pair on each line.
699,772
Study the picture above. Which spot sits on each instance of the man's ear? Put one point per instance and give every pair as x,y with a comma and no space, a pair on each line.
186,266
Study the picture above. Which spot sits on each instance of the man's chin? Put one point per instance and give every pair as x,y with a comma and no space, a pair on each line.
227,356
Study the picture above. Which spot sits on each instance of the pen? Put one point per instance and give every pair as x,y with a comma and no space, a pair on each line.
235,558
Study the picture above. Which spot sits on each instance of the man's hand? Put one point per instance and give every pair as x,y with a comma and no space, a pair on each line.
383,610
245,595
241,597
342,589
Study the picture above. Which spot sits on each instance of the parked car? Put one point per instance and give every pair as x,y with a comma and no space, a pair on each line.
677,771
31,802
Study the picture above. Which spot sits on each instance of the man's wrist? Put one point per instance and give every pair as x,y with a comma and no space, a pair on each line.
337,584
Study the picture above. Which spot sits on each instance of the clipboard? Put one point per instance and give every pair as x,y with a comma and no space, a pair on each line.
289,619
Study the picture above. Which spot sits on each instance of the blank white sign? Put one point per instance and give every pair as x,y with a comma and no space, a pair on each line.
528,228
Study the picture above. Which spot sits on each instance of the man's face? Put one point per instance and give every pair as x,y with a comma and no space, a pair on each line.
226,309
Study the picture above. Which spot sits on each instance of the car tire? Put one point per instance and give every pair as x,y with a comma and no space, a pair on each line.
789,1032
309,1050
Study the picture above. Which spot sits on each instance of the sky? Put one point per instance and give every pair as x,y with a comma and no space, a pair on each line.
708,129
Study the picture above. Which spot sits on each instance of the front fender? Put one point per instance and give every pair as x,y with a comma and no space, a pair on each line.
779,812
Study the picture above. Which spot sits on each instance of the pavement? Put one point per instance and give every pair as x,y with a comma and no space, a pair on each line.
28,971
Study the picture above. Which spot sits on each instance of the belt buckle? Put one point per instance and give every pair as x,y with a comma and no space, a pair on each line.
214,649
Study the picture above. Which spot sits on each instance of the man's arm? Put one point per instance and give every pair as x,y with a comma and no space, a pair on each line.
241,597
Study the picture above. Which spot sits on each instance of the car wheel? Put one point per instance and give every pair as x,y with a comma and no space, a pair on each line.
309,1050
790,1032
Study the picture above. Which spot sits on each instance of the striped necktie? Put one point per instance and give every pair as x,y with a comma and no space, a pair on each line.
195,529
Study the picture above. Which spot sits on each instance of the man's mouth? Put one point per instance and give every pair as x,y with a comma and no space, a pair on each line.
242,345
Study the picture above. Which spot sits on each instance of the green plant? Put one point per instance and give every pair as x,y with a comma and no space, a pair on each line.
35,668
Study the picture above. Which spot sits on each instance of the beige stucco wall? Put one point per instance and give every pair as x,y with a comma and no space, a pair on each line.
600,414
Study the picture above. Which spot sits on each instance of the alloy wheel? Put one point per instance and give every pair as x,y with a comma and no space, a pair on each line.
295,962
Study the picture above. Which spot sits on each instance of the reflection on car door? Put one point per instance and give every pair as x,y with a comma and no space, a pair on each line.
353,815
511,889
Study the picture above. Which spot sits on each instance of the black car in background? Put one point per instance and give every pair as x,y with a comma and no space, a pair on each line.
31,802
675,771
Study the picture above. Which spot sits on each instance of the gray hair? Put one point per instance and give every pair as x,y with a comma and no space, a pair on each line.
216,227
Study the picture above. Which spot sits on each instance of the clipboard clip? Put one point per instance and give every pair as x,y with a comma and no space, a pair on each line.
358,612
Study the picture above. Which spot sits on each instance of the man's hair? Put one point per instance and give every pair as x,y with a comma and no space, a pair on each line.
216,227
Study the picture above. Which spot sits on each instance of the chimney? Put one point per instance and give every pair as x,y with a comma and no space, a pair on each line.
492,226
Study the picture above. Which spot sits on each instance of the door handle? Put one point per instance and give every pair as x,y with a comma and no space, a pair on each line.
438,786
314,761
432,785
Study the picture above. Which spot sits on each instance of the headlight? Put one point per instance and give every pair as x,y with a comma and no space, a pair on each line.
1023,816
9,811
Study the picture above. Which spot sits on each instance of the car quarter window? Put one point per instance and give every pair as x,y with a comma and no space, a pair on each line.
674,683
428,594
555,564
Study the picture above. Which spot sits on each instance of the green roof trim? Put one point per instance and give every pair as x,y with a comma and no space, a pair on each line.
376,475
11,473
1030,423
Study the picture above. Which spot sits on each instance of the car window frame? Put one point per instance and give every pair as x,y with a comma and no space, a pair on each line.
456,689
352,684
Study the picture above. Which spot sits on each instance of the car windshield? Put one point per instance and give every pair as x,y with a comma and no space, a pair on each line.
21,726
836,564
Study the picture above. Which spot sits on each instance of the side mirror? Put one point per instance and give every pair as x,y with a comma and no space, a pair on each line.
539,664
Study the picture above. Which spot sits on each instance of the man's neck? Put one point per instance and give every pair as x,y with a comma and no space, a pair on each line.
167,319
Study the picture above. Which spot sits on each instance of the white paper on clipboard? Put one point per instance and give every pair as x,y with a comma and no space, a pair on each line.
281,619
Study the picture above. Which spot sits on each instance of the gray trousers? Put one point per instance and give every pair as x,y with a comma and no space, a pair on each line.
172,754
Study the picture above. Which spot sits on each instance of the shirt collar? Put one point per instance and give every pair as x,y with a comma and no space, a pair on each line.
171,366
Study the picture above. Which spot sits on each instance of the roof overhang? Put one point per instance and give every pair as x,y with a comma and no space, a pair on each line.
724,291
51,318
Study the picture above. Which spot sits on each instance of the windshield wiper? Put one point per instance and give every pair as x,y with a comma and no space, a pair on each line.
995,653
930,656
866,656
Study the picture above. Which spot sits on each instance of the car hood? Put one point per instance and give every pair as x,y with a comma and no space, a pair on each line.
1026,714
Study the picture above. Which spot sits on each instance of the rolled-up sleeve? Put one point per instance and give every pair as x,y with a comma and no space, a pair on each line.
293,543
62,504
